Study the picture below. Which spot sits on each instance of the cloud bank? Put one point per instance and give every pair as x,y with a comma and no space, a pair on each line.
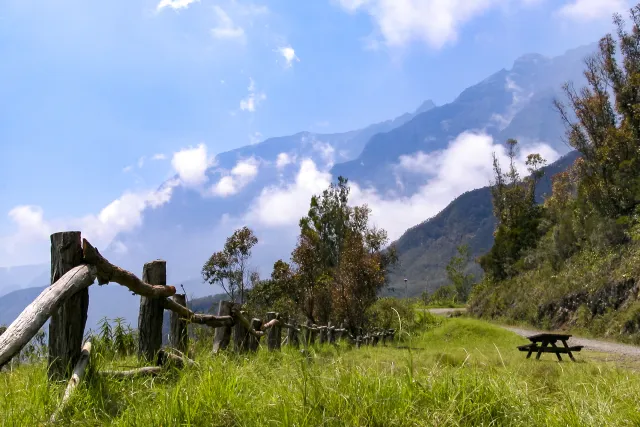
276,209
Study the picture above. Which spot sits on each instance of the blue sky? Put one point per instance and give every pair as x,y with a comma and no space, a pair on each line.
93,91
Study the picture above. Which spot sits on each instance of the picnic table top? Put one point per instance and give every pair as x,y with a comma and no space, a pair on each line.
548,337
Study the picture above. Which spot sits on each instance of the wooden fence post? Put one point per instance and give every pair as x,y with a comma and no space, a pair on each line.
151,312
292,335
273,334
322,334
254,342
222,335
240,336
306,333
314,334
331,334
178,327
66,328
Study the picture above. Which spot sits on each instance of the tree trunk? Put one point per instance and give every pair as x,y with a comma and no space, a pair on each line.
222,336
273,334
151,312
66,328
178,328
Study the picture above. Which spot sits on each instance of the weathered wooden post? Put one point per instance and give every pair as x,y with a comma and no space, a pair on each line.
331,334
254,342
66,328
292,335
222,335
306,333
240,336
273,334
322,334
178,327
151,312
314,334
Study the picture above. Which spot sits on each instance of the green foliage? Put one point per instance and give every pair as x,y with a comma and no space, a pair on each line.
444,296
392,313
462,372
338,266
517,214
462,283
229,267
110,342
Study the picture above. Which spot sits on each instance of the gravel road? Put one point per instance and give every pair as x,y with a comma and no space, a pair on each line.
588,343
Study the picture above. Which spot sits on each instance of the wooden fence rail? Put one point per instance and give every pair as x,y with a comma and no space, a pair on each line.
75,268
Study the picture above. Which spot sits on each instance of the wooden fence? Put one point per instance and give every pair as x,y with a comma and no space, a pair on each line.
76,264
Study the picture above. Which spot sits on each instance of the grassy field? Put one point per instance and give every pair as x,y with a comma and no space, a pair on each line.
459,372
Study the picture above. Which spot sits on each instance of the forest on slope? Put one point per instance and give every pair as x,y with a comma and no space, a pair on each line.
573,261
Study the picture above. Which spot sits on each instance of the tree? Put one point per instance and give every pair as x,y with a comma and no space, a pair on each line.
277,293
461,282
606,133
517,214
339,260
230,268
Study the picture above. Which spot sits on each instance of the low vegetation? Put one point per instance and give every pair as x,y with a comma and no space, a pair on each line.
573,261
448,372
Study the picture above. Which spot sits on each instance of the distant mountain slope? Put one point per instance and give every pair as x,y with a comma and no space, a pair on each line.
23,276
516,103
426,249
12,304
178,231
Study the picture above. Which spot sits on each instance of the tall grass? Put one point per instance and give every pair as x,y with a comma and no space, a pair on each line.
462,372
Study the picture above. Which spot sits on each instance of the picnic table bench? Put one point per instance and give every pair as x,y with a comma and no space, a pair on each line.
546,343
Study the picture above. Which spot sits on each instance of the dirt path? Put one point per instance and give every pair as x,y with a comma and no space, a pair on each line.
588,343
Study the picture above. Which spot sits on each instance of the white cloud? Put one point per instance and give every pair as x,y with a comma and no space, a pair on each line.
191,165
284,159
29,242
281,206
464,165
326,150
434,22
159,156
141,162
175,4
127,169
520,97
289,54
241,175
226,28
589,10
255,138
253,99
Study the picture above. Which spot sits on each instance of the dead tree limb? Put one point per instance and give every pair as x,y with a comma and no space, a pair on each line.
76,377
32,318
132,373
107,272
200,319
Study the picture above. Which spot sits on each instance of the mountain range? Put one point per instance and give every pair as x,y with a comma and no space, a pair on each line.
514,103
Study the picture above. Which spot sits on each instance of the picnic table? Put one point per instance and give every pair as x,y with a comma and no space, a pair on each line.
546,343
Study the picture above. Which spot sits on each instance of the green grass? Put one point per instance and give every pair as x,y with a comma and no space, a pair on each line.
462,372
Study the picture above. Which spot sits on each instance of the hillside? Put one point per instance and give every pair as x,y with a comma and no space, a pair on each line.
574,261
425,250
